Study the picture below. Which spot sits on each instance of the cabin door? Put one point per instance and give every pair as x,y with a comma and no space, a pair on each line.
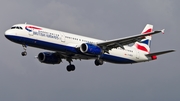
62,37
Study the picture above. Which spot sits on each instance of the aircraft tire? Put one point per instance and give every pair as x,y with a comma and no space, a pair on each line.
70,68
98,62
24,53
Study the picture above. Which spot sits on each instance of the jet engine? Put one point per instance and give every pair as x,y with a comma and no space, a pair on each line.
90,49
49,58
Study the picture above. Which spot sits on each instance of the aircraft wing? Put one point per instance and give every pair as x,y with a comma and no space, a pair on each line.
108,45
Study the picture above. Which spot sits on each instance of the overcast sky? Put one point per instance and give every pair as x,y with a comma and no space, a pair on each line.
26,79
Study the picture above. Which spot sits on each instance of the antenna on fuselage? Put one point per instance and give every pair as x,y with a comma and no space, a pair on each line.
25,23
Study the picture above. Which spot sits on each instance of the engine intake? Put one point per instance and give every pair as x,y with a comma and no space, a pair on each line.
91,49
49,58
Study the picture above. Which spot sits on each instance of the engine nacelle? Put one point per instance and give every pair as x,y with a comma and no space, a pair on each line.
91,49
49,58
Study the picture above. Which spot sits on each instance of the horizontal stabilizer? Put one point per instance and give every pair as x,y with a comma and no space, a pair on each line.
160,53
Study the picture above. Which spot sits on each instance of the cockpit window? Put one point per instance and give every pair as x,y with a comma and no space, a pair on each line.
16,27
13,27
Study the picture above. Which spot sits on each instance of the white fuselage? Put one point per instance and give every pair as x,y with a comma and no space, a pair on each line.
64,42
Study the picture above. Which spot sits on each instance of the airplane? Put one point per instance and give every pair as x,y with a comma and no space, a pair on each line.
67,46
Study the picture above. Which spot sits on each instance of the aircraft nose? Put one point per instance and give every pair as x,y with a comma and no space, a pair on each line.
8,33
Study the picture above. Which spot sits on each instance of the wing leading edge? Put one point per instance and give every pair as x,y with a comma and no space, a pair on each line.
108,45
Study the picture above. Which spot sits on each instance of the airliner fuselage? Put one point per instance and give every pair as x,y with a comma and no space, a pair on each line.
72,46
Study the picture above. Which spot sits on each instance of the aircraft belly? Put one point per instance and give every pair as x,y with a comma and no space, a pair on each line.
115,56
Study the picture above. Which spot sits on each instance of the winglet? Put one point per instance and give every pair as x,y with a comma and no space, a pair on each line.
162,31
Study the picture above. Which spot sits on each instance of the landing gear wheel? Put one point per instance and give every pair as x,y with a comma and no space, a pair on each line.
73,68
70,68
98,62
24,53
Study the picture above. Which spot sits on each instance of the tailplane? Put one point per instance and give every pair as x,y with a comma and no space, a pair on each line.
144,44
153,56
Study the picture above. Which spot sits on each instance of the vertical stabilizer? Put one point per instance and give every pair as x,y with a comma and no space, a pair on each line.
144,44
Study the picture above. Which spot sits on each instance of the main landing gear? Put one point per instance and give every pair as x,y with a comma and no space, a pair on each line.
24,53
98,62
70,67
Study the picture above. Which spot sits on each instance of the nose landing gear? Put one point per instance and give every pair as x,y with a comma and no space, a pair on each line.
24,53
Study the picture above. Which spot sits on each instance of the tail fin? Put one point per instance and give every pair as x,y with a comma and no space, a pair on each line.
144,44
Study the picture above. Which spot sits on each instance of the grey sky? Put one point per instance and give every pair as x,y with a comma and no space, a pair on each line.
26,79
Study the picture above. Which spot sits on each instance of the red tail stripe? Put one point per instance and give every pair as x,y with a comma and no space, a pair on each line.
148,31
141,48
